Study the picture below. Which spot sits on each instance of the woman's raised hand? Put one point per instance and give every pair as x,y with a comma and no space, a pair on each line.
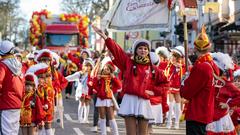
99,32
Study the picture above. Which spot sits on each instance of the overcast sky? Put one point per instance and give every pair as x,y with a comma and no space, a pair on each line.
28,6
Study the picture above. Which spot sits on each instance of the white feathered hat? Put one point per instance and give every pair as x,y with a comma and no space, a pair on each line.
163,50
56,58
37,69
44,53
223,61
107,60
6,47
236,73
179,50
88,60
139,42
154,58
86,51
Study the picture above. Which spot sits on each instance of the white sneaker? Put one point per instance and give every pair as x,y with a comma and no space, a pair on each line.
94,129
108,129
176,125
168,125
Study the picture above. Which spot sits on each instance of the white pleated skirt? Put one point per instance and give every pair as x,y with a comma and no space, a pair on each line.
157,114
223,125
135,106
104,103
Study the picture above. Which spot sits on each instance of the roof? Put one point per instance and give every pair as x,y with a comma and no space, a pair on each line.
62,29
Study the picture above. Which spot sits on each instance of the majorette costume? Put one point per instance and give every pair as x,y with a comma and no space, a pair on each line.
32,113
59,83
82,90
225,93
137,73
45,92
158,103
11,89
174,72
105,87
198,88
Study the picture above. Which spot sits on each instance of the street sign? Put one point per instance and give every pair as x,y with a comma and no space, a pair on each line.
212,7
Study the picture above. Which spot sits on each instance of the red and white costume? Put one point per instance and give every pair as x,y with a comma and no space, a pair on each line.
135,101
32,113
222,123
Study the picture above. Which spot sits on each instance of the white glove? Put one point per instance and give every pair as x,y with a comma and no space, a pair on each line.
45,107
185,76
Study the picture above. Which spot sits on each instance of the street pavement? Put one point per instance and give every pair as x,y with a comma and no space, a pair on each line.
73,127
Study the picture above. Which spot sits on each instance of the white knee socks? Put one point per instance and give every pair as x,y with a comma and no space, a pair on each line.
169,117
177,111
103,126
80,111
114,126
86,112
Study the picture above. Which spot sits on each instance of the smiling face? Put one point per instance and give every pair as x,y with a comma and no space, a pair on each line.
142,50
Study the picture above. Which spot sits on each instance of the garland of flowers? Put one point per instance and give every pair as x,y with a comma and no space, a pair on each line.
37,26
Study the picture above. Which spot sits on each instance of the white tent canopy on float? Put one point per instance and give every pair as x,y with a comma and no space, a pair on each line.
137,15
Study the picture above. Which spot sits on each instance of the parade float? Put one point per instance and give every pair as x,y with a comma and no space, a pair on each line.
56,32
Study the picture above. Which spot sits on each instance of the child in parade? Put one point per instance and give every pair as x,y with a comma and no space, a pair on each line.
106,84
164,55
32,114
226,96
59,83
236,111
174,71
138,74
46,93
81,95
157,102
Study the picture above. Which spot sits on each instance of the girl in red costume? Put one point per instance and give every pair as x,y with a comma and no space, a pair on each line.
164,55
59,83
106,84
46,93
32,114
226,95
83,77
236,111
158,102
174,72
138,74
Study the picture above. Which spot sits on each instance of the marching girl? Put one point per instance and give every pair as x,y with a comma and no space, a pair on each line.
236,111
106,84
45,89
32,114
59,83
226,95
174,71
164,55
138,74
157,102
82,89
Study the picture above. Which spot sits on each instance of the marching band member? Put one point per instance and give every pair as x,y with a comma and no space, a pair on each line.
174,71
82,89
226,95
138,74
32,114
106,84
46,93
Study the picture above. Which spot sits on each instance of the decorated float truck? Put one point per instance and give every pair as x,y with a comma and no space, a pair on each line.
55,32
